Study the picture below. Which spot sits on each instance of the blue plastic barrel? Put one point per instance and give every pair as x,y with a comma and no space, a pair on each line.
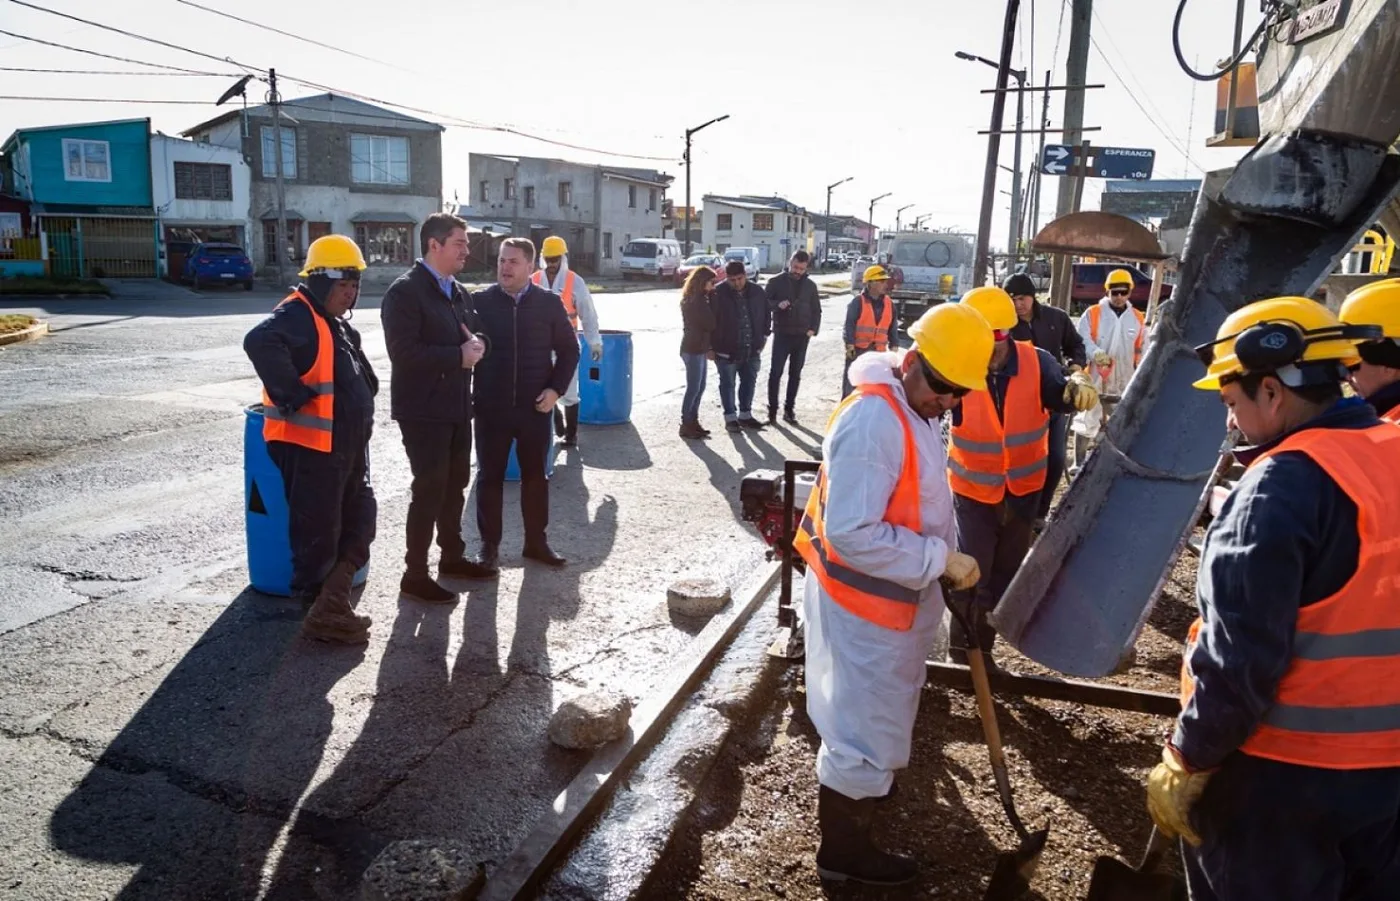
513,465
605,387
265,500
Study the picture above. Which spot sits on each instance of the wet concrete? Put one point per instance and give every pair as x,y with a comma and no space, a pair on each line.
163,731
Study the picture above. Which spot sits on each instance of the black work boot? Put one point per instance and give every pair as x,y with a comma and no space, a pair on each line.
571,425
331,618
558,421
847,851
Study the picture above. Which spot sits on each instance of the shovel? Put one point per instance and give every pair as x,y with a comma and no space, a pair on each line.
1011,877
1114,880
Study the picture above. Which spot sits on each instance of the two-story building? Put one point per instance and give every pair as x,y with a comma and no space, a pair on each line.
348,168
841,234
88,187
777,227
201,192
595,209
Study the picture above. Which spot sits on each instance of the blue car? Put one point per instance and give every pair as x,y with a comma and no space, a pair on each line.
213,264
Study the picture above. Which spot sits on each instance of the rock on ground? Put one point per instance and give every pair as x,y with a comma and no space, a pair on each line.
591,720
697,597
422,871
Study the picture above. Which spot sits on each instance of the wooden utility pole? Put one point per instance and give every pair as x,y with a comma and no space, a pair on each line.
275,101
989,176
1076,73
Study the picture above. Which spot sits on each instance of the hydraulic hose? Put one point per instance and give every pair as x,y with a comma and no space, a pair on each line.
1244,50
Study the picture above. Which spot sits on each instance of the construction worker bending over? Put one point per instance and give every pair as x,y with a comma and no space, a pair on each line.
578,303
1376,376
870,321
877,536
318,413
1283,772
999,455
1113,333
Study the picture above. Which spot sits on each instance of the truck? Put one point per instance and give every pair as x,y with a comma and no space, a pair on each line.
929,268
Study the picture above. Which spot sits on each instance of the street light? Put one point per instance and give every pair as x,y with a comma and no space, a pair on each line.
826,245
1014,238
919,220
688,133
870,246
898,213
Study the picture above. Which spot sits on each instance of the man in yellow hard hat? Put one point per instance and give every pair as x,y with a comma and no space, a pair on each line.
318,414
556,276
999,454
1114,332
1283,771
1376,376
871,324
877,536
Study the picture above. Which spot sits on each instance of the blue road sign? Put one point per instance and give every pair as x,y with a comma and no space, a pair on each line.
1104,162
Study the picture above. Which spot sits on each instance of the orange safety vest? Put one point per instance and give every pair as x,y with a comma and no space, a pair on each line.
1392,415
1096,313
872,598
567,297
987,457
872,333
1336,705
311,425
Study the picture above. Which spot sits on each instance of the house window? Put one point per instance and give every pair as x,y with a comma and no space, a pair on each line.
724,222
385,242
86,160
607,245
651,199
378,160
566,194
529,198
631,197
763,222
510,189
203,181
270,240
485,190
269,153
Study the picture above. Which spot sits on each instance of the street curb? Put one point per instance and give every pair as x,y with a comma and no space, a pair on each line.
42,297
33,333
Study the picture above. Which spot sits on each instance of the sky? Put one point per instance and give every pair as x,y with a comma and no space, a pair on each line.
816,91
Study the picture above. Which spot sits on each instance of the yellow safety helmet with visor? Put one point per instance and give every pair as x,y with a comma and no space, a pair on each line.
1297,339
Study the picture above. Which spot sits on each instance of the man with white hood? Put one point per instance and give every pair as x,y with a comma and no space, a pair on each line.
878,534
578,303
1113,333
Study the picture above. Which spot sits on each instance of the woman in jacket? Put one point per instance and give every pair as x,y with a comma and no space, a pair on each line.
698,320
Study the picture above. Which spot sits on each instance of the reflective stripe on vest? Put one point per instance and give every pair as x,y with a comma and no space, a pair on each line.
1096,314
869,331
1338,705
1392,415
987,457
567,297
311,426
867,596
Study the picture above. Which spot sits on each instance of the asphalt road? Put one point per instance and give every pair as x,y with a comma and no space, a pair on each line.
164,733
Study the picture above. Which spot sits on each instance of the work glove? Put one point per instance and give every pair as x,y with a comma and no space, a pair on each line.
960,573
1172,790
1080,393
1102,359
595,352
850,352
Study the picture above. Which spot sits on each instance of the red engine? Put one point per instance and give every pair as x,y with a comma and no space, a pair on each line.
761,498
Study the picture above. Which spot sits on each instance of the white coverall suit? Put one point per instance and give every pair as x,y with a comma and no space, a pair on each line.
863,680
587,317
1118,335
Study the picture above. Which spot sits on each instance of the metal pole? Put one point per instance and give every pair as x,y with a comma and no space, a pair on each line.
275,101
989,178
1014,244
1076,73
687,191
870,244
1234,72
1033,225
826,231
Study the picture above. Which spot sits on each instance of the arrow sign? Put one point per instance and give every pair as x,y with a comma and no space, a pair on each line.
1056,160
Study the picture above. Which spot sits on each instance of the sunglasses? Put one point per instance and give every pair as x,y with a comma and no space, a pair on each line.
937,385
1119,292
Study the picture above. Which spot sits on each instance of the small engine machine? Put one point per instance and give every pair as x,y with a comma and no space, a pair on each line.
762,497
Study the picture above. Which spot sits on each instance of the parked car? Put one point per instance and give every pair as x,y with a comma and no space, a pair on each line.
1089,278
691,263
1039,272
658,258
215,264
751,258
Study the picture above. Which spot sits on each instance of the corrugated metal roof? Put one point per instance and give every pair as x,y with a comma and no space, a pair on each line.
331,108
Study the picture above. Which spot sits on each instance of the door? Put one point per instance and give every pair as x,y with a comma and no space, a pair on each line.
65,246
316,230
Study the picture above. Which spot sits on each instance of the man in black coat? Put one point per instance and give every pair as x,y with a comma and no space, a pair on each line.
742,324
534,355
433,338
797,317
1051,330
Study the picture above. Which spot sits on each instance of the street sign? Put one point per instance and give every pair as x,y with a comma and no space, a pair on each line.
1104,162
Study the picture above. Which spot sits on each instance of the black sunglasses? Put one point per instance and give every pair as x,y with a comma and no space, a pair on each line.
937,385
1119,292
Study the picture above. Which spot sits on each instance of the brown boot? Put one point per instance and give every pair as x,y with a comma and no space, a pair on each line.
331,617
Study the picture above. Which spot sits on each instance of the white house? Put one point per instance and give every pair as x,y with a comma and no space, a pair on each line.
777,227
201,192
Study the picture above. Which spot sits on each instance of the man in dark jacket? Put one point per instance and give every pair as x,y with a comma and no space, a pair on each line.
1051,330
797,317
331,506
534,355
431,333
742,324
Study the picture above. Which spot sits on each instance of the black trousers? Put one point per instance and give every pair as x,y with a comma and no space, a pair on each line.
331,509
1055,469
997,536
792,351
530,430
440,458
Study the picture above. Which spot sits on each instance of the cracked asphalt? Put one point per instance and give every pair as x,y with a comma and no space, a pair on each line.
164,733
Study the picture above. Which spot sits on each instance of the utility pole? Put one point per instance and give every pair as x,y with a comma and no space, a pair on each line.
1076,73
989,178
1013,244
688,133
275,101
898,213
826,247
1033,224
870,245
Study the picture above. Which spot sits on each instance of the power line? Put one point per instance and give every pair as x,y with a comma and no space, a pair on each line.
105,100
115,72
1108,36
1148,116
121,31
292,35
120,59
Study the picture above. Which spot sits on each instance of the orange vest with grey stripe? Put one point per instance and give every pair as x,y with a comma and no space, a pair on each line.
311,425
539,278
987,457
872,333
870,597
1338,705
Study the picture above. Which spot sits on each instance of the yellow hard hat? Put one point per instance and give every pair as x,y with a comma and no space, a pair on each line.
333,253
957,342
875,274
1377,303
553,246
1269,334
995,305
1118,277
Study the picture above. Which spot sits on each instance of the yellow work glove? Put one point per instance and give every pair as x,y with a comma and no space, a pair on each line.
1079,392
960,573
1102,359
1172,790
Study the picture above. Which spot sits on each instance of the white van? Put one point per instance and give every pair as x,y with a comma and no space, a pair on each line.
657,258
750,256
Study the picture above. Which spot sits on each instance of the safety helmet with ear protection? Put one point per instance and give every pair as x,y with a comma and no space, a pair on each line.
1296,339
